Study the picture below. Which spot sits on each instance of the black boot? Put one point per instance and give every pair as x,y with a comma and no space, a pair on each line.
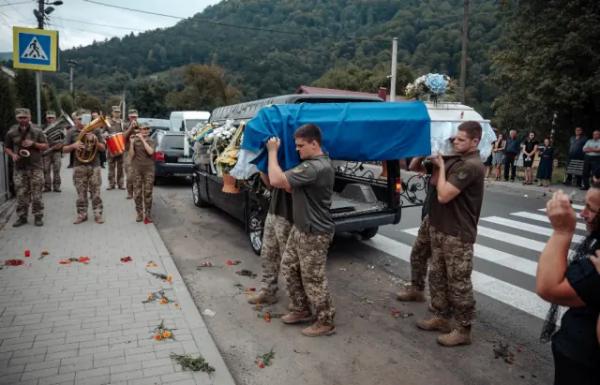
20,222
39,221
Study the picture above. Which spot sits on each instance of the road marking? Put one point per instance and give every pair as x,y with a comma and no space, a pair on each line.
543,218
510,238
575,207
526,227
498,257
496,289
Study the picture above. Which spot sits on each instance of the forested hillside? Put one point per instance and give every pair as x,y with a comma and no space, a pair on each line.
270,47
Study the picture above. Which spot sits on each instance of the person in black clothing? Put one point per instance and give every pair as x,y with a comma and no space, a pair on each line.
530,146
544,172
576,285
513,147
576,144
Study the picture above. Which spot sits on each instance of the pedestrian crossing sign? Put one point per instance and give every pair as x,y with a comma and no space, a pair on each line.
35,49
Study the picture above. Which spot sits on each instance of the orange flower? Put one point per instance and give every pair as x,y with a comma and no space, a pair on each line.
167,334
84,259
164,301
170,278
158,337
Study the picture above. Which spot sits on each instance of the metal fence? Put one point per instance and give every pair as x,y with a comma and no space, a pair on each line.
4,176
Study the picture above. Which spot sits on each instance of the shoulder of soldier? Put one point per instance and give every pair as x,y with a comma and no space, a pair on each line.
12,129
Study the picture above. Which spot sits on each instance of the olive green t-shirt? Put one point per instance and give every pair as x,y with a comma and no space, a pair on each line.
281,204
72,138
13,139
460,216
312,188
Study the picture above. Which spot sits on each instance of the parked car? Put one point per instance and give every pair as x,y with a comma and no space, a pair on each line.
169,158
156,124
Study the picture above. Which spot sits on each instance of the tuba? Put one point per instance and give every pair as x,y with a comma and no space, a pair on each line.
56,131
89,151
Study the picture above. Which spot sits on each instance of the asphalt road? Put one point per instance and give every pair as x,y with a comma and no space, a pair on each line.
371,346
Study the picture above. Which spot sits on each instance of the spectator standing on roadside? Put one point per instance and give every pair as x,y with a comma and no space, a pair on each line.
576,144
574,284
592,158
544,172
530,147
498,148
513,147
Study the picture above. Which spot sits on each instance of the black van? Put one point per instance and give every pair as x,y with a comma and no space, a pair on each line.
363,199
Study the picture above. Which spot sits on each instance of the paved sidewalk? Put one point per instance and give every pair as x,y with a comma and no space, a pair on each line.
86,323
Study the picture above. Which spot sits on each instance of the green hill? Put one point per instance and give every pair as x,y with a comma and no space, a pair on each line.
270,47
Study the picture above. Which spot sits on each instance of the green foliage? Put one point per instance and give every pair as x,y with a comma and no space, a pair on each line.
149,95
51,100
205,89
353,78
350,38
87,102
66,102
7,106
25,89
547,67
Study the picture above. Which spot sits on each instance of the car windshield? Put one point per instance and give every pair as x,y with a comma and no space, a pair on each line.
174,142
191,123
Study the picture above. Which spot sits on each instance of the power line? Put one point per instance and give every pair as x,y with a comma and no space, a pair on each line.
183,18
99,24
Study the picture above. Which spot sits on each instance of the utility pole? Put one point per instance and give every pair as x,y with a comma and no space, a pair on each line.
463,56
40,13
72,64
394,69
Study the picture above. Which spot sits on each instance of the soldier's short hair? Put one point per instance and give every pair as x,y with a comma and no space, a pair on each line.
22,112
309,132
116,108
50,114
472,129
132,112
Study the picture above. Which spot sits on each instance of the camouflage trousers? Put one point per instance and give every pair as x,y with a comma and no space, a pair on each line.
115,169
419,256
129,173
52,162
87,179
143,183
275,236
28,186
303,269
450,277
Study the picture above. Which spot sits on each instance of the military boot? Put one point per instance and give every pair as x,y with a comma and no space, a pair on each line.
410,294
262,297
20,222
318,329
435,323
139,217
39,221
460,335
80,218
294,317
98,218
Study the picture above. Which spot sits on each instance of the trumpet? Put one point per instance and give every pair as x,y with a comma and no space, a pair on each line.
88,153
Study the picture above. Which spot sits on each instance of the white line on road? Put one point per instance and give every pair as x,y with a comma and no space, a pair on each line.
498,257
542,218
575,207
526,227
501,291
510,238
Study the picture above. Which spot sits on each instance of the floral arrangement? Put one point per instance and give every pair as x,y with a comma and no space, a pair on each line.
431,85
161,332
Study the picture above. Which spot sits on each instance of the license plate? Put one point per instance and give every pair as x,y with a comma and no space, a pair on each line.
184,160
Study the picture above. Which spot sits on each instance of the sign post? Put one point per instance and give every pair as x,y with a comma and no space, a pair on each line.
35,49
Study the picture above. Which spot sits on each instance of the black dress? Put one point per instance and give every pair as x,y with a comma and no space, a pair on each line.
575,346
546,160
529,145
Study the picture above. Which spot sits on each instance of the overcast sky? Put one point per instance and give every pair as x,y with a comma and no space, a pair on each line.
77,20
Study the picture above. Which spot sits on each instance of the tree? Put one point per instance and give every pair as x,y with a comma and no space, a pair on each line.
25,89
88,102
149,97
52,102
7,106
547,67
205,89
353,78
66,102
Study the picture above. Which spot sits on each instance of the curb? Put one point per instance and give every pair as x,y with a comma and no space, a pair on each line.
199,330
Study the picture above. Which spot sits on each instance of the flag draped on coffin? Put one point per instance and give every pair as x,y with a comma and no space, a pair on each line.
351,131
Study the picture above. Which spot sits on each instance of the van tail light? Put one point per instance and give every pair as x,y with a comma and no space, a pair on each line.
399,186
159,156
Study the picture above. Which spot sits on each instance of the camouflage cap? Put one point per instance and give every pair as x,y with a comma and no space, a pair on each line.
22,112
116,108
132,112
50,114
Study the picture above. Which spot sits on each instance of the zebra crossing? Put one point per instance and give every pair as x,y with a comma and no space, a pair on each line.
512,243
